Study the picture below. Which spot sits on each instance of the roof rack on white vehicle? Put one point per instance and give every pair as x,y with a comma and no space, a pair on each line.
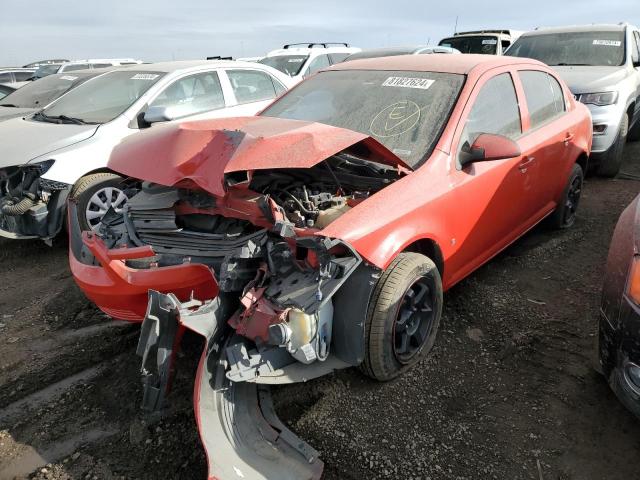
312,45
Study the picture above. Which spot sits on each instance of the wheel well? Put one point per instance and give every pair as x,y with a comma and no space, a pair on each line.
428,248
631,110
97,170
583,161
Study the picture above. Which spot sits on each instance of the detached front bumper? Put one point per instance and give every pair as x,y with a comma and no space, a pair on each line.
121,291
240,431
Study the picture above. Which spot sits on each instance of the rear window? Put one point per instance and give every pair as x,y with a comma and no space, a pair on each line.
483,44
289,64
605,48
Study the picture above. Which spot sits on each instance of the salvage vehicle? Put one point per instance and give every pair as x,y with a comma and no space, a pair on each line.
40,93
619,326
322,233
5,90
393,51
63,149
80,65
300,60
601,65
16,77
486,42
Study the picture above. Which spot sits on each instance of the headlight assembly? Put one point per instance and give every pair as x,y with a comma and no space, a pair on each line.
601,99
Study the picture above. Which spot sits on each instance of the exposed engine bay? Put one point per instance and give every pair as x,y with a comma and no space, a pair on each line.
30,206
260,240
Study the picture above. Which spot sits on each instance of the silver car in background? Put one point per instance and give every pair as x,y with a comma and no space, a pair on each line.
601,66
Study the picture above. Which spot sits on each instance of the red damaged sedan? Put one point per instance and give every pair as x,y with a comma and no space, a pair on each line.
322,233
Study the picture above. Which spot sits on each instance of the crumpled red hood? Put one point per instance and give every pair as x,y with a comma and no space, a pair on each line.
203,151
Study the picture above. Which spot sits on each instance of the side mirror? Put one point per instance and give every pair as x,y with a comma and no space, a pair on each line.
488,147
158,114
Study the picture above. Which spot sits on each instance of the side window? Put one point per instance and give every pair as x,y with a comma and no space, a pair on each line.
22,76
337,57
495,111
543,94
101,65
73,68
193,94
505,44
318,63
251,85
635,50
6,77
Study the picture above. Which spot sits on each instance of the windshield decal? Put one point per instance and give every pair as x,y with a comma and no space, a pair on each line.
395,119
408,82
608,43
144,76
68,77
489,41
295,60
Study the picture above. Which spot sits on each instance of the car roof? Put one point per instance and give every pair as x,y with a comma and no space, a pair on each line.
180,65
602,27
459,64
309,50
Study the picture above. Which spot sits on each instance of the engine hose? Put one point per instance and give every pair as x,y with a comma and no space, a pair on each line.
19,208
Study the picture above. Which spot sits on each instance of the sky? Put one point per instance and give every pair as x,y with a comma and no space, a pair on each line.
154,30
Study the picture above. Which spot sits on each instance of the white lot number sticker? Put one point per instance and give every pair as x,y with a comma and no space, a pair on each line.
608,43
408,82
295,60
490,41
144,76
68,77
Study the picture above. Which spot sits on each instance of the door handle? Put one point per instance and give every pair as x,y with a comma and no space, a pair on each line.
568,137
524,165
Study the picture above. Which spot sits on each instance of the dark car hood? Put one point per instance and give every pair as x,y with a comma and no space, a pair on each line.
12,112
203,151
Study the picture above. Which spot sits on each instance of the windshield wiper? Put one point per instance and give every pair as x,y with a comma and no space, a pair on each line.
571,65
60,119
8,105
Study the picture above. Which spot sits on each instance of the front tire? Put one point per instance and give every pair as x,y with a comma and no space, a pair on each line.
611,160
95,194
404,316
564,215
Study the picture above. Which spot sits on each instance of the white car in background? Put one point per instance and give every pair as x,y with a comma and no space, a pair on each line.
487,42
89,64
16,77
299,60
63,149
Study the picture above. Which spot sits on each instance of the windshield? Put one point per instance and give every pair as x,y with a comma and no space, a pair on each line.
484,44
45,70
105,97
572,48
42,91
405,111
289,64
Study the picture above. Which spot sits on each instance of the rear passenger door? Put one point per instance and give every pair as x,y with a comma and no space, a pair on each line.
251,90
548,140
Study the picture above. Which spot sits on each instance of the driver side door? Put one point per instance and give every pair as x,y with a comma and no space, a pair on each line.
496,199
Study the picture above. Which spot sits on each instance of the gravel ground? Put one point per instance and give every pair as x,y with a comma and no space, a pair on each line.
509,392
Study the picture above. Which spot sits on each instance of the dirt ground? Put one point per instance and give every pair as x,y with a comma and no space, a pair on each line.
509,393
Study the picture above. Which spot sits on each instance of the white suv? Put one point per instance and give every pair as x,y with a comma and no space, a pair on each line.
63,150
299,60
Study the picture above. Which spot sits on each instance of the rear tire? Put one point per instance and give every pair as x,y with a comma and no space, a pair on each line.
611,161
564,216
95,194
403,318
